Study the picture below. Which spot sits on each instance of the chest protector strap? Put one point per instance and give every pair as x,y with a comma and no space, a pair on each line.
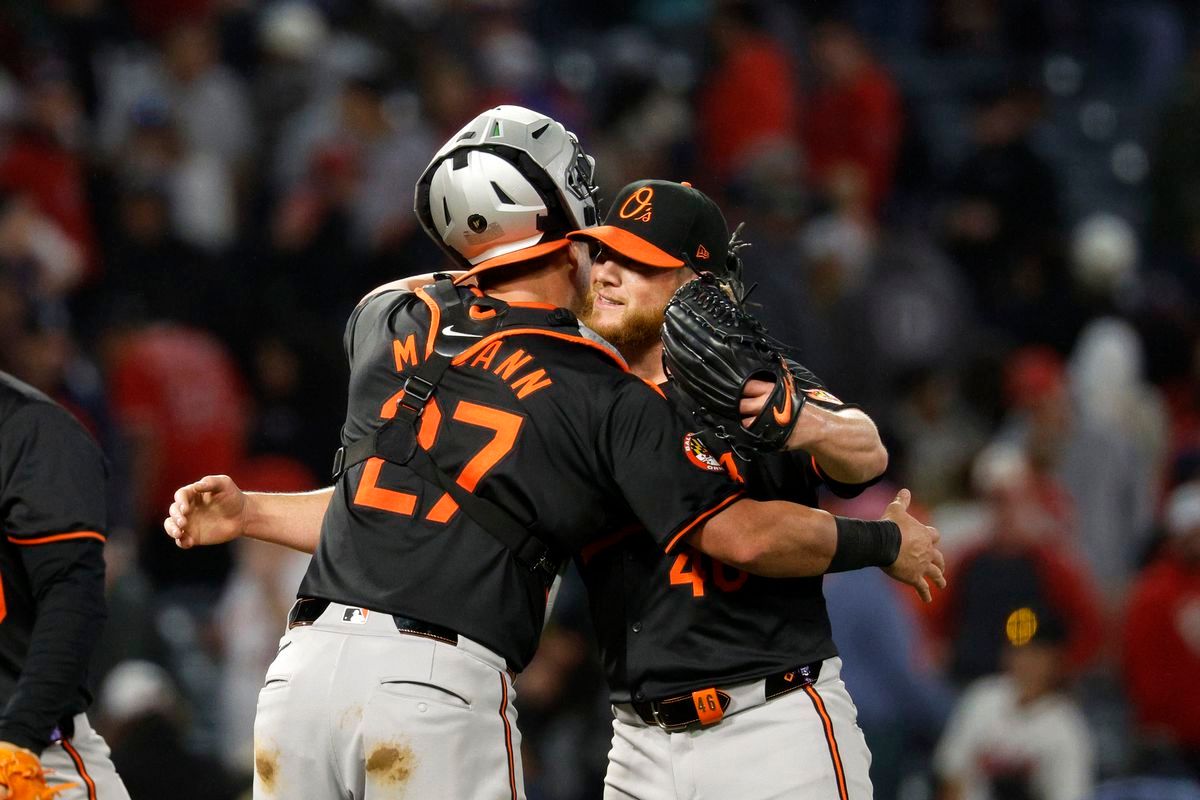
395,440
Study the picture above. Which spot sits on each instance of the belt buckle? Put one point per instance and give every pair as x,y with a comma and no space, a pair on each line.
658,720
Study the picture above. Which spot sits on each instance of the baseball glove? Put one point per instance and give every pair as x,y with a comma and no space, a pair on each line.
22,773
711,347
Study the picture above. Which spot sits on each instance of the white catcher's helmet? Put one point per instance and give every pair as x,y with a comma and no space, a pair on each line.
506,188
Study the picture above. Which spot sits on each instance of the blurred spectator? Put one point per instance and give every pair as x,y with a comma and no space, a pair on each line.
34,252
198,185
291,393
852,123
902,704
385,145
1161,637
44,159
290,35
566,720
1175,173
1018,735
180,401
749,103
252,612
143,722
185,119
208,100
939,437
1003,208
152,273
1022,562
1111,394
1072,439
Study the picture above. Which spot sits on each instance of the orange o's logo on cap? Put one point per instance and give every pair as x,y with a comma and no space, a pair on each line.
638,205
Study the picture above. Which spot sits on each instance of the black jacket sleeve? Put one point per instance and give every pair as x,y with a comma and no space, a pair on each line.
67,578
52,500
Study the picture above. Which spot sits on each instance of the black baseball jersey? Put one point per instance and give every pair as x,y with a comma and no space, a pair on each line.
669,625
542,421
53,517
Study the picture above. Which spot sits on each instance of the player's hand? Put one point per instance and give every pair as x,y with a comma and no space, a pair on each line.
210,511
920,561
755,395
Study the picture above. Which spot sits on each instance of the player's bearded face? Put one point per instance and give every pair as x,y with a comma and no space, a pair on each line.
633,329
625,304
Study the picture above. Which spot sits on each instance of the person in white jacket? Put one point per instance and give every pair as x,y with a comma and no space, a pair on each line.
1019,734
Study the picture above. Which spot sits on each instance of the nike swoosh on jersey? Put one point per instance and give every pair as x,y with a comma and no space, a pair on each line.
449,331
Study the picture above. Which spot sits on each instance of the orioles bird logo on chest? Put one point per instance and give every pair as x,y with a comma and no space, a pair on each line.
638,205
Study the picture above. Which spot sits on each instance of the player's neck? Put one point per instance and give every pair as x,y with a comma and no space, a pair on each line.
647,363
550,285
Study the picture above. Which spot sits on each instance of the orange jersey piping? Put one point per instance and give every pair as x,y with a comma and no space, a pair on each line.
435,320
473,349
701,518
58,537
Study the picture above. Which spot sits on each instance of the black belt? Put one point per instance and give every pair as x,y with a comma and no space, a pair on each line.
307,609
707,706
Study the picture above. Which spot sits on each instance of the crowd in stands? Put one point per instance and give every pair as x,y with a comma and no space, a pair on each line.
979,220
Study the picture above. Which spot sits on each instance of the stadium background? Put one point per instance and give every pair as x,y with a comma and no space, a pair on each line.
980,219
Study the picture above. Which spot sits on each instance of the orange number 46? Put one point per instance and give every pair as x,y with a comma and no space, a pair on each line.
688,570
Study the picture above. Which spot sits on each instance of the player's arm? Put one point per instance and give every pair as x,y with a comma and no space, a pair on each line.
844,441
55,521
778,539
682,493
213,510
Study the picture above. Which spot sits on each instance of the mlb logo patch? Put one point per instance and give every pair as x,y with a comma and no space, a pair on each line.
355,616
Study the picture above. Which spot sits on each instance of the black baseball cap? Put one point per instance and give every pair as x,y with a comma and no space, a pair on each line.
664,224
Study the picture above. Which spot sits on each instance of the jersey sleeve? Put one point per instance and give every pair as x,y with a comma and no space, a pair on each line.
814,389
365,318
671,481
52,487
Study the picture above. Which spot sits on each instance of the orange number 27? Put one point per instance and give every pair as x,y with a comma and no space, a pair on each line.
506,426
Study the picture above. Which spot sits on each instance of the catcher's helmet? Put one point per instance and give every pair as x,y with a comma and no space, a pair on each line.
506,188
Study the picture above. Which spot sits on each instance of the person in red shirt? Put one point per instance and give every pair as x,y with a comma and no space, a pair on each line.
1022,562
180,403
1161,637
750,101
853,121
42,160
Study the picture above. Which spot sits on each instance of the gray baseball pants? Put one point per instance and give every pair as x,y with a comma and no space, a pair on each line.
805,745
353,708
83,759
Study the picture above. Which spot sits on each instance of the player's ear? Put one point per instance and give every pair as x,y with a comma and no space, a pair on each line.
581,256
